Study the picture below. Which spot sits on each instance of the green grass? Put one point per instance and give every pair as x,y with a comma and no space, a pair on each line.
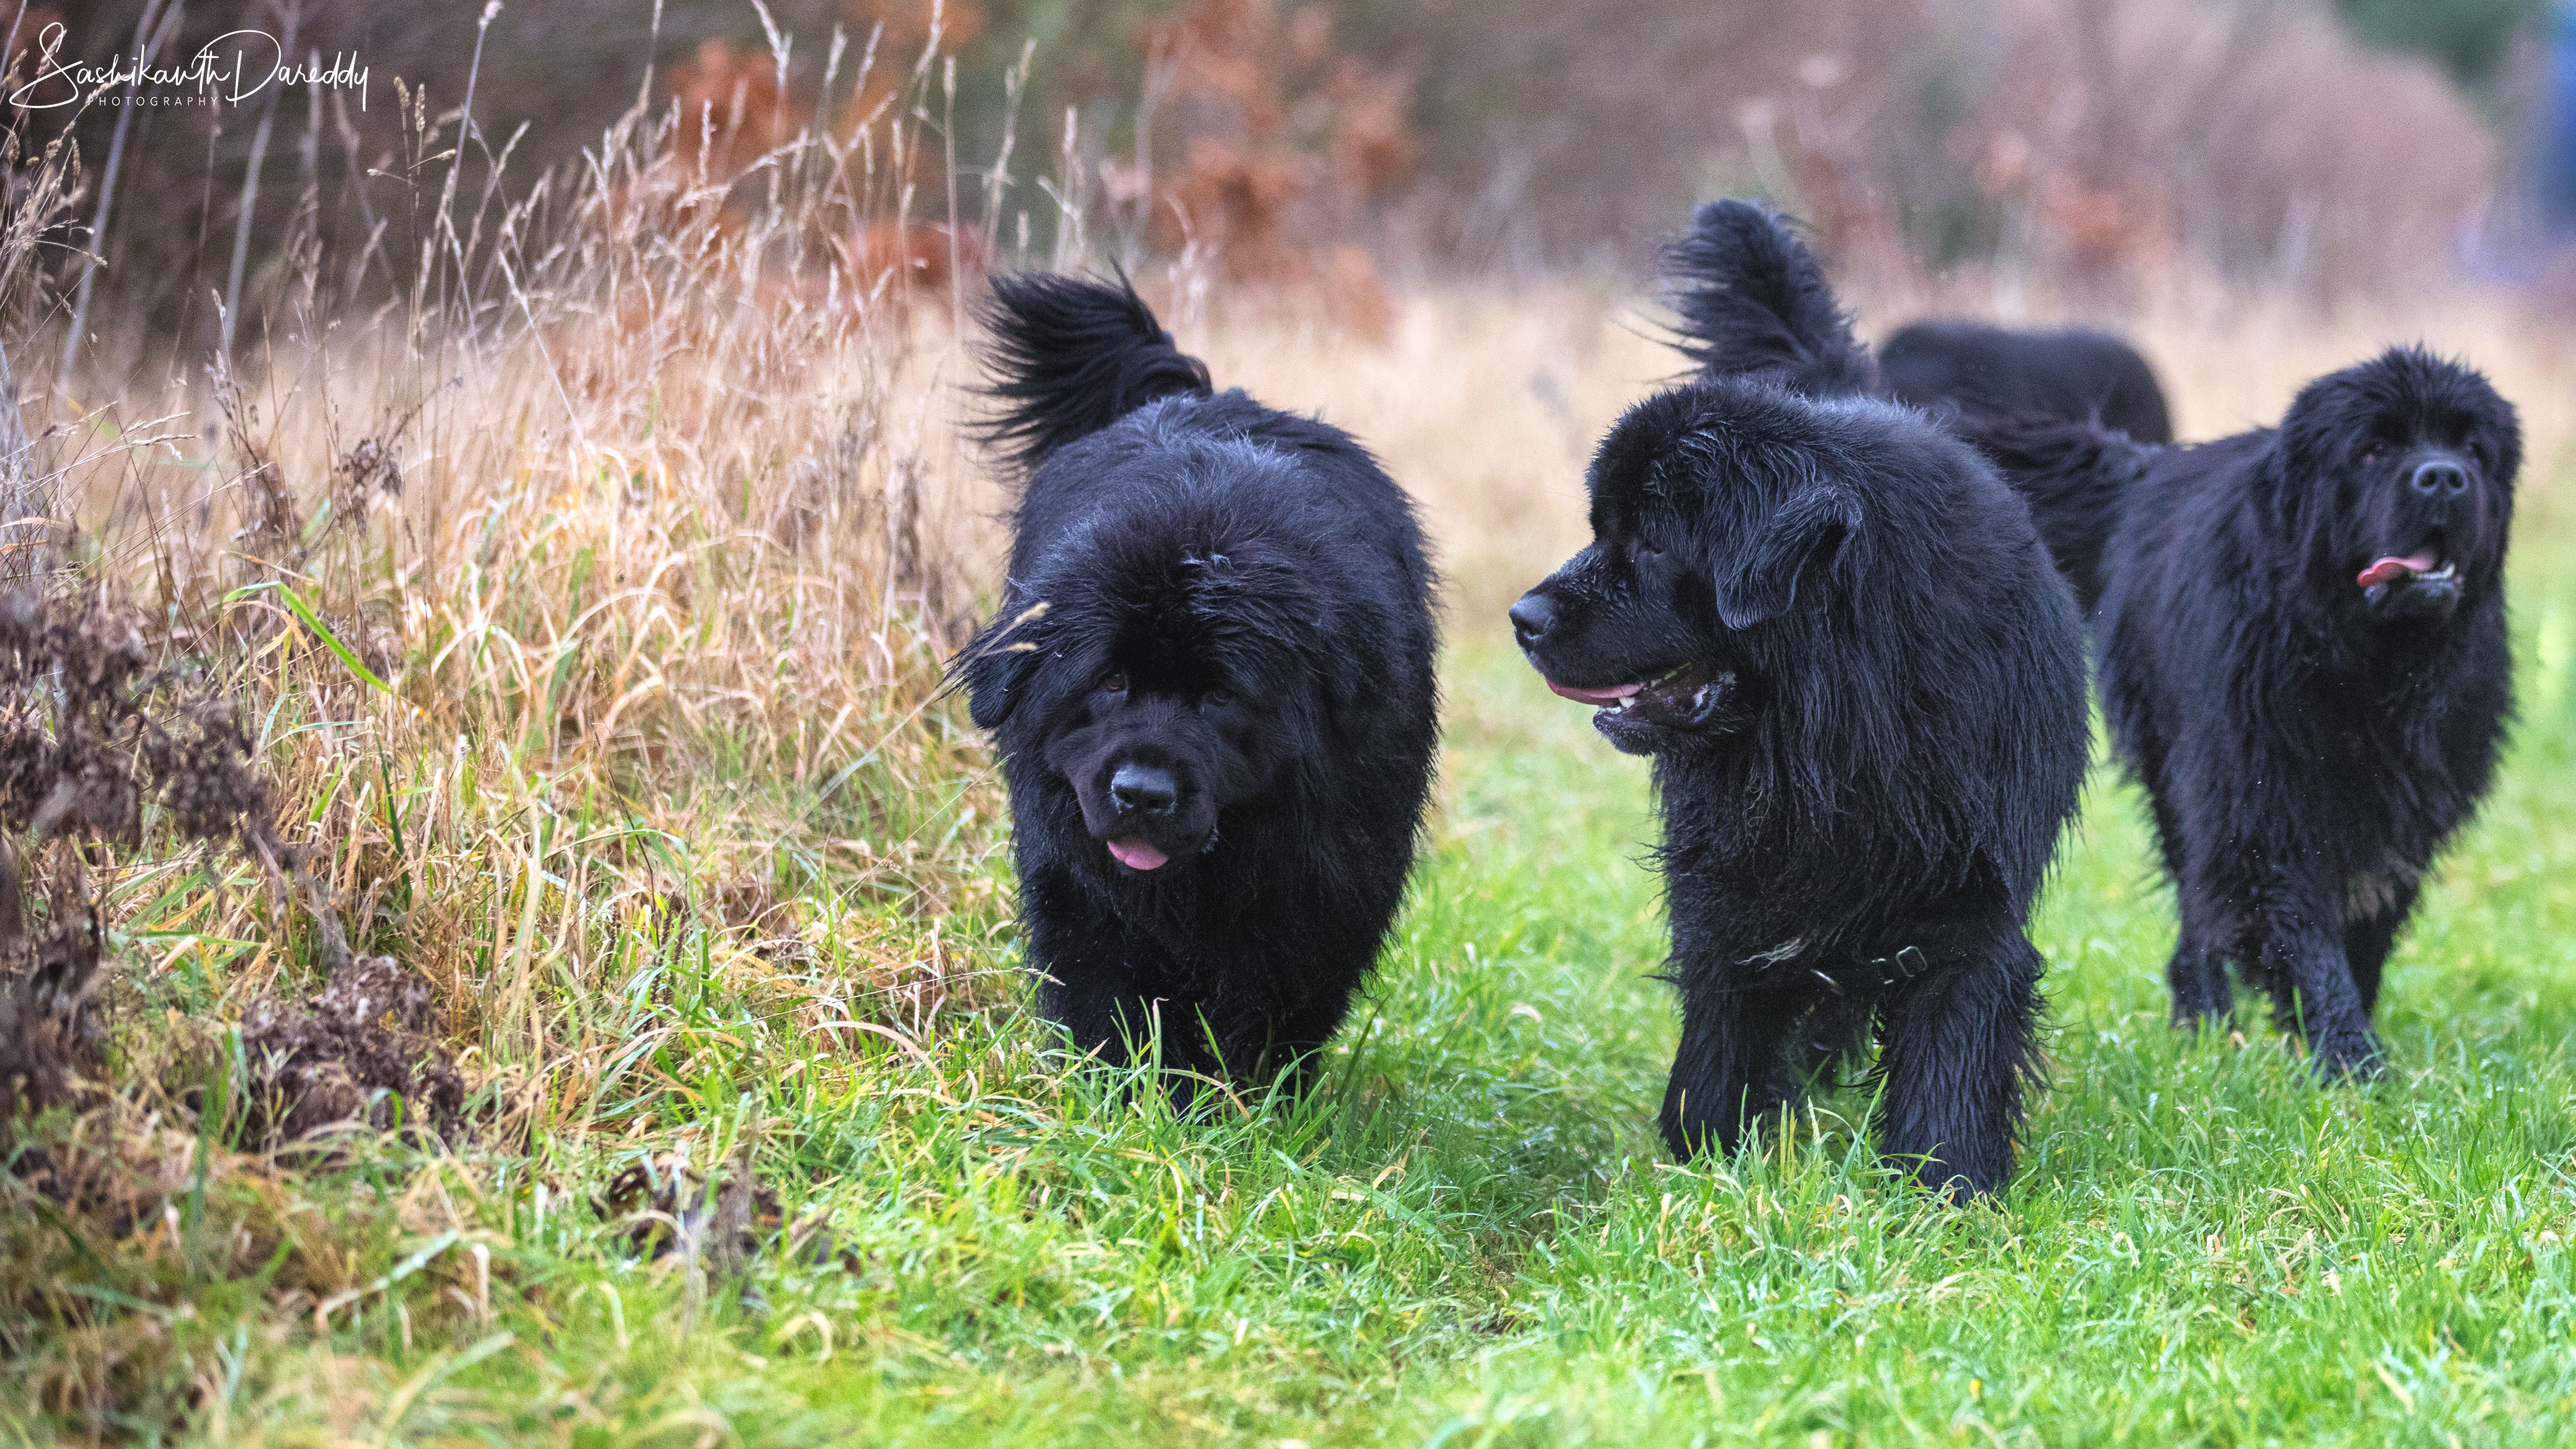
1471,1235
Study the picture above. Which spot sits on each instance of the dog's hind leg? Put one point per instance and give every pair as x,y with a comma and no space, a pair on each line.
2202,994
2198,971
1830,1035
1254,1037
1960,1040
1728,1074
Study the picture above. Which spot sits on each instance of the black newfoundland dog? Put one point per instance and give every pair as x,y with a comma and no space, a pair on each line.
2303,658
2301,632
2074,375
1211,682
1836,632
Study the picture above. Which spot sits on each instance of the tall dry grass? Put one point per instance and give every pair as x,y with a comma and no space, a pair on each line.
586,602
640,506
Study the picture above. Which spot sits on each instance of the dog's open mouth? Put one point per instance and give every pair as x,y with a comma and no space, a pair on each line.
2426,566
1682,697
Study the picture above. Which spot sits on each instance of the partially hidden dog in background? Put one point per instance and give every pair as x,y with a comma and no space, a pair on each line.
2074,374
1862,684
1210,679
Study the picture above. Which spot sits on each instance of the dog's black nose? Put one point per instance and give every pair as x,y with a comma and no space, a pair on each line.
1145,789
2441,475
1532,617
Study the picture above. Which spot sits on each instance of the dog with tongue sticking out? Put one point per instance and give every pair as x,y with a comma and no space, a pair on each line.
1210,681
2300,629
2303,658
1861,682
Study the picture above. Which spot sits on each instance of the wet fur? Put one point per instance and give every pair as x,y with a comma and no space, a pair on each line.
1259,585
2308,751
1854,834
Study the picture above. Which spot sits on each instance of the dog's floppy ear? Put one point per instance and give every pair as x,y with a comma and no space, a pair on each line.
1759,578
2319,426
995,669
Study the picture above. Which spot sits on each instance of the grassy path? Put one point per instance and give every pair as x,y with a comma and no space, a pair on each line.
1470,1236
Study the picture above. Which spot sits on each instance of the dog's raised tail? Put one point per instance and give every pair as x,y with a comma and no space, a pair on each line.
1067,357
1754,303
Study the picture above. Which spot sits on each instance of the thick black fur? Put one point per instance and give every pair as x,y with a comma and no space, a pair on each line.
1215,647
1754,304
2073,375
2075,474
2310,743
1862,684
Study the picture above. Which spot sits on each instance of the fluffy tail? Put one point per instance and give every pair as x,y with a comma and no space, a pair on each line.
1754,303
1067,357
2075,476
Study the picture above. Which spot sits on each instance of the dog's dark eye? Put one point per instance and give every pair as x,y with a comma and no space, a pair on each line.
1640,551
1218,697
1115,684
2372,453
2478,454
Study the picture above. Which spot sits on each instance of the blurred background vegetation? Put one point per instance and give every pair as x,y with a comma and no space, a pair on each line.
2320,145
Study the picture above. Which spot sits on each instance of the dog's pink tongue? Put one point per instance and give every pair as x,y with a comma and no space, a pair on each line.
1612,695
2388,570
1135,854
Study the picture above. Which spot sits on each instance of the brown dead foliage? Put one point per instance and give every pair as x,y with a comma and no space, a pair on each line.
889,258
1287,147
70,734
87,736
50,1034
79,777
359,1052
737,106
733,110
207,784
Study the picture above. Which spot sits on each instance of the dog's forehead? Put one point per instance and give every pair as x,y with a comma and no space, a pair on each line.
1635,464
1215,601
2409,392
1676,474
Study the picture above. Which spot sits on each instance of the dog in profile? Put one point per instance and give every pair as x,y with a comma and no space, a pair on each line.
1210,679
2074,375
1862,684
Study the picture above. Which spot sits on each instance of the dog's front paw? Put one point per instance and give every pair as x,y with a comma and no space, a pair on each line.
2347,1056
